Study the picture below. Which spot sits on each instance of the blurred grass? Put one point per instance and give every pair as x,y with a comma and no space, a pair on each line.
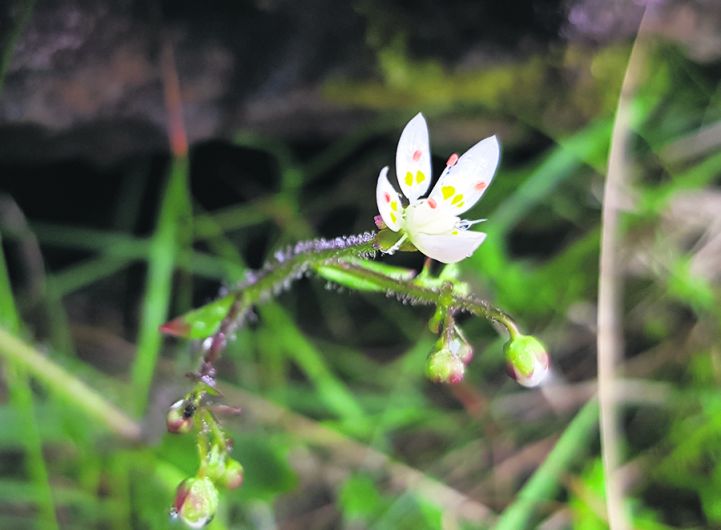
22,400
173,218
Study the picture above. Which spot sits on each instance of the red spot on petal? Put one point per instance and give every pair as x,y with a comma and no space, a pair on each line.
452,160
432,203
480,185
416,156
387,196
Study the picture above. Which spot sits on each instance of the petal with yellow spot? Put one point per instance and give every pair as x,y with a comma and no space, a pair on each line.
448,191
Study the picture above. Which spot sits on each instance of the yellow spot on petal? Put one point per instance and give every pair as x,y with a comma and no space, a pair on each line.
447,191
409,179
420,177
394,206
460,204
455,233
394,218
458,198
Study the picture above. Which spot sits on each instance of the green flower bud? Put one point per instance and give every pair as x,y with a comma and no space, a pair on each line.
445,367
196,502
526,360
179,419
234,473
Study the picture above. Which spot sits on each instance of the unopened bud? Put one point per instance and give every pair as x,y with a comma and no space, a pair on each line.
179,419
234,473
196,502
380,224
526,360
445,367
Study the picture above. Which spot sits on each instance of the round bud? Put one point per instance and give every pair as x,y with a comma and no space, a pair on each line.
233,476
196,502
526,360
444,367
179,419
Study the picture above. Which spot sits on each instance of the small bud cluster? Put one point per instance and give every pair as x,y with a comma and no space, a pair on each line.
222,469
452,352
196,499
527,360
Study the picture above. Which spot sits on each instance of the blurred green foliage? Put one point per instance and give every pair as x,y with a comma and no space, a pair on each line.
339,427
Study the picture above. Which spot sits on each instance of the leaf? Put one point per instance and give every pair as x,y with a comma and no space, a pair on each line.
201,322
346,277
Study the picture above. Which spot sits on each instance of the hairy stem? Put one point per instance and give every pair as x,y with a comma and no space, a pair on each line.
339,260
292,263
286,266
419,292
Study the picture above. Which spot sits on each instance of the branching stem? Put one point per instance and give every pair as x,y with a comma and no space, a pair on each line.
339,255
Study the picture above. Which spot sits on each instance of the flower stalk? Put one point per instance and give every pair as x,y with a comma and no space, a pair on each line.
430,225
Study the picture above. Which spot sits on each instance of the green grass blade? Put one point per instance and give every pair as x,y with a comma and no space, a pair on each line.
545,482
162,256
67,386
560,165
21,398
331,390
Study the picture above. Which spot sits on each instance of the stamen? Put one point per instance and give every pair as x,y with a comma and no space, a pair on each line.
465,224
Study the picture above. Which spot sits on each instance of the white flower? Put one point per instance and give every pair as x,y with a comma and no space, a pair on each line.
432,224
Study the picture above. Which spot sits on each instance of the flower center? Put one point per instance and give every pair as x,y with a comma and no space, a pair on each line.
422,217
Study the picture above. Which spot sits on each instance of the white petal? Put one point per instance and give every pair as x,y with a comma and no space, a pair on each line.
413,159
389,203
538,376
450,247
462,185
